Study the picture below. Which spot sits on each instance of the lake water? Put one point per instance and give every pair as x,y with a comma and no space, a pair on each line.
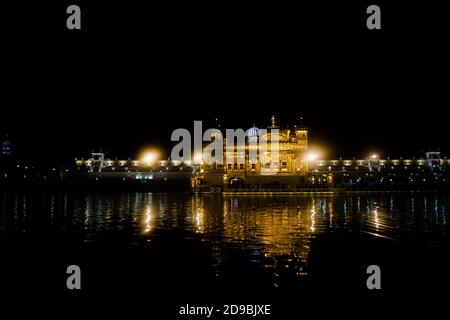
247,244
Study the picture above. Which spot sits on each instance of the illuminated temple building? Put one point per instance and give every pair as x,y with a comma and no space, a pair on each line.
292,169
297,169
289,168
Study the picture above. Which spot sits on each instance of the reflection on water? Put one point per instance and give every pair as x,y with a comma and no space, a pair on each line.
271,233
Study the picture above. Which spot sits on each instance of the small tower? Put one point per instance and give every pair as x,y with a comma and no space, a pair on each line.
272,123
433,158
301,134
6,148
98,161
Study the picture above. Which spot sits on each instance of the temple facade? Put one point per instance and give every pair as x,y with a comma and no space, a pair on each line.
287,167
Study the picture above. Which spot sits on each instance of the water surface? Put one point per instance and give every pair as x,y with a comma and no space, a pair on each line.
243,242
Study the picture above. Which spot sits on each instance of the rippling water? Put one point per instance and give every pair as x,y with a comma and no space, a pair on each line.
271,241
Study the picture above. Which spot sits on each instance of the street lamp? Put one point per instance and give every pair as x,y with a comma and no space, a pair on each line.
198,158
311,156
373,161
149,156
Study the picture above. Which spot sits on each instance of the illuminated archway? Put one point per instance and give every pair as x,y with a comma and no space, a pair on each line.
236,182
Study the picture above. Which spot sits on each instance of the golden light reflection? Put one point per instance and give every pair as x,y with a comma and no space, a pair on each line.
199,218
312,219
331,212
198,214
147,219
376,219
278,230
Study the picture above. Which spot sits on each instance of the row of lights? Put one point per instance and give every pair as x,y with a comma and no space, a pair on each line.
150,157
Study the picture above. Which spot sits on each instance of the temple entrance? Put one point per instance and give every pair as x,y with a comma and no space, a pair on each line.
236,182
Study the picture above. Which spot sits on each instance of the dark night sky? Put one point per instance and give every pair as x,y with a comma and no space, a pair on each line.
135,73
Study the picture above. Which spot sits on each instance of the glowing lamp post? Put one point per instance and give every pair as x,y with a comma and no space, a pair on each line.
373,160
311,156
149,157
198,158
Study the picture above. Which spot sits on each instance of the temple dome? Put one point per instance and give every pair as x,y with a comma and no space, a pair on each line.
253,132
